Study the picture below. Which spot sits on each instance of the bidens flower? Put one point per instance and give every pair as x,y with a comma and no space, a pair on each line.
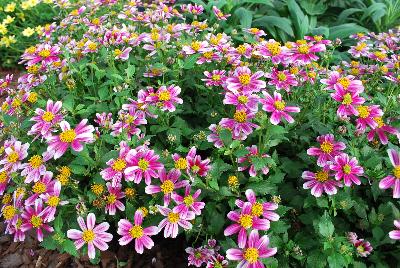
393,180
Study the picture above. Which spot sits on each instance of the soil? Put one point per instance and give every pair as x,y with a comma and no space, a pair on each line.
167,253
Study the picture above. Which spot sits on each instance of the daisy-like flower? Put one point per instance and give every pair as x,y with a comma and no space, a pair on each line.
329,148
259,209
196,47
244,80
366,115
198,256
217,261
281,79
320,182
255,31
94,236
215,78
166,97
122,54
247,160
244,220
33,169
129,122
136,232
142,163
75,138
256,249
188,202
240,124
52,200
348,102
336,81
393,181
214,136
361,49
242,100
273,50
33,218
380,130
4,180
278,108
112,199
304,53
13,155
347,169
42,186
218,13
169,182
363,247
116,167
46,120
173,220
395,234
192,163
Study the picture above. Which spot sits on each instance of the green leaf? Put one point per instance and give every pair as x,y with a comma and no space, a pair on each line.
58,223
300,20
103,93
226,136
245,17
70,248
336,260
190,61
282,23
69,102
49,243
345,30
325,226
130,70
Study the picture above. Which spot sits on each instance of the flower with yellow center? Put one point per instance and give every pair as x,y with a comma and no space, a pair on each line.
39,187
181,163
379,121
9,212
143,164
244,79
344,81
188,200
20,192
303,49
167,187
216,77
136,231
347,169
360,46
33,69
68,136
347,99
327,147
97,189
322,176
64,170
144,210
35,161
251,255
195,168
3,177
130,192
117,52
208,54
164,95
396,172
363,111
274,48
88,236
6,199
173,217
44,53
36,221
27,32
33,96
48,116
16,103
92,46
96,21
241,49
111,198
13,157
246,221
257,209
53,201
196,45
243,99
119,165
280,105
240,116
281,76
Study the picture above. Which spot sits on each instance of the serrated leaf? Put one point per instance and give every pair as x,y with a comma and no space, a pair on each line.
325,226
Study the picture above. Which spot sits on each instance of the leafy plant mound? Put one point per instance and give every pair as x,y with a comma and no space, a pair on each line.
136,119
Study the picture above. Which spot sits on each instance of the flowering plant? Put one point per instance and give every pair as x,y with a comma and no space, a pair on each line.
144,118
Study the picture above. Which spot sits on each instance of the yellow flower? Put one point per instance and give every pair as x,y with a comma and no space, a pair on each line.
47,1
10,7
28,32
3,29
25,5
38,29
7,40
8,20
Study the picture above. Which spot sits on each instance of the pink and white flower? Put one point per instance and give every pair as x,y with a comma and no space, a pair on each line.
113,199
218,13
242,100
52,200
167,97
33,169
259,209
320,182
347,169
393,181
395,234
329,148
247,161
278,108
188,202
94,236
13,155
240,124
348,101
244,80
281,79
380,130
215,78
46,120
173,220
34,218
116,167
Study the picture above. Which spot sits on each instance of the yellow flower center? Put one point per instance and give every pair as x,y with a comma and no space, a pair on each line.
167,187
303,49
33,69
380,55
119,164
195,168
251,255
344,81
3,177
195,45
379,121
117,52
136,231
321,176
396,172
39,187
97,189
88,236
347,99
62,179
145,211
327,147
9,212
188,200
360,46
240,116
130,192
96,21
111,198
347,169
363,111
36,221
33,96
35,161
216,77
181,163
68,136
281,76
274,48
66,171
208,54
294,70
92,46
164,95
241,49
13,157
318,38
53,201
244,79
243,99
44,53
257,209
173,217
143,164
280,105
360,249
16,103
246,220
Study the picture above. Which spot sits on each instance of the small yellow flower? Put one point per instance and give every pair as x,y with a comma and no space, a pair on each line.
25,5
10,7
38,29
8,20
28,32
3,29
